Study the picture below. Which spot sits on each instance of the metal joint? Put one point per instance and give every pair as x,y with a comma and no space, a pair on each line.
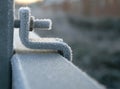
27,23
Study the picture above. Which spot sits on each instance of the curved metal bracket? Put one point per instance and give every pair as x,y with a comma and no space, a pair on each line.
43,43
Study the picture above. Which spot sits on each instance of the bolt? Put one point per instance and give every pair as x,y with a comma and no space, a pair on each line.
36,23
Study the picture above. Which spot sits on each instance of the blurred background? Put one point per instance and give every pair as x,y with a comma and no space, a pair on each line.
91,28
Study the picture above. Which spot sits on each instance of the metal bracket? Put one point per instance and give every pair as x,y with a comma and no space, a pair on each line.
43,43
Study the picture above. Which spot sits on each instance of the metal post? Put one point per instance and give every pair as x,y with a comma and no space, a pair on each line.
6,42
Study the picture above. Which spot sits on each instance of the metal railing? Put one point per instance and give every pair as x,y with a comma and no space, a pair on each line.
6,42
33,68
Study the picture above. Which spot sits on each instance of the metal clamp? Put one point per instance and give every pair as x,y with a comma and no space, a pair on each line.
43,43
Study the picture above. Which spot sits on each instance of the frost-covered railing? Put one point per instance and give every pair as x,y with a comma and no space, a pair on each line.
31,68
36,69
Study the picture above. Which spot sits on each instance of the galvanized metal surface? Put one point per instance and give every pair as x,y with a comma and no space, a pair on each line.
6,41
35,69
48,71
